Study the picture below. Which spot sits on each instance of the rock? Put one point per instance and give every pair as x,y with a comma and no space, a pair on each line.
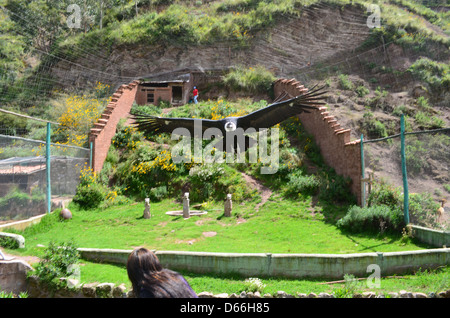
104,290
119,291
72,283
88,290
393,295
312,295
205,295
420,295
281,294
223,295
405,294
368,295
65,214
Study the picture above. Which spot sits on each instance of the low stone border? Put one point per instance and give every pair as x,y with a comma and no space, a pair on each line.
19,239
110,290
284,265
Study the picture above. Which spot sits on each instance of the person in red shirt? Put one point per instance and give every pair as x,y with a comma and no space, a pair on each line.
195,93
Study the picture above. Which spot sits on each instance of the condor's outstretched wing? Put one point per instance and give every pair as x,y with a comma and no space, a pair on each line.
280,111
155,124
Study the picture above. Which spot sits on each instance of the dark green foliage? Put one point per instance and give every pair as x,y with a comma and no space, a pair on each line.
89,197
377,218
301,183
9,242
57,262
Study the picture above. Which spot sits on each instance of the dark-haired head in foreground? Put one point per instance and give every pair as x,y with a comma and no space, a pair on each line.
150,280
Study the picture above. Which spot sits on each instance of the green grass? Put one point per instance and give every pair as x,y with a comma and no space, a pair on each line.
280,226
422,281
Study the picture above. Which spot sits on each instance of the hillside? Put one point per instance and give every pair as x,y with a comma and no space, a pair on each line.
373,74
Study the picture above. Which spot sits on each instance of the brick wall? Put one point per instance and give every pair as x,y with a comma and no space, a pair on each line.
337,150
105,129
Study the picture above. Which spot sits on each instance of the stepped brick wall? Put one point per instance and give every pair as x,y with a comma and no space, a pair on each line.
105,128
338,151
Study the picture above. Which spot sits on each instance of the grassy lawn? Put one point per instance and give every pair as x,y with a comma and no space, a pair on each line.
424,281
280,226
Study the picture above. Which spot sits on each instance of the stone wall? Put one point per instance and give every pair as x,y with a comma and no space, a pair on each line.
13,276
110,290
337,150
105,129
333,266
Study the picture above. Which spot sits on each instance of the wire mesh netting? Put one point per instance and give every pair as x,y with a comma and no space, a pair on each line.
23,176
427,158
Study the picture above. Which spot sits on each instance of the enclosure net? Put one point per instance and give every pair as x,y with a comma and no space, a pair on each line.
321,42
427,158
23,176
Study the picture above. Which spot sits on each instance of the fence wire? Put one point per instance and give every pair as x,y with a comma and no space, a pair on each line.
427,158
23,176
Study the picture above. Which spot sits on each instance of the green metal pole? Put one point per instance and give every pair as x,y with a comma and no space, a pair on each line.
405,178
363,185
47,155
90,154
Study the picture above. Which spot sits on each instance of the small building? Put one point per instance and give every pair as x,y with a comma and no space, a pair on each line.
175,90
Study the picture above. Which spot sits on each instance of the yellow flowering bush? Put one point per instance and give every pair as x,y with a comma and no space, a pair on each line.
79,114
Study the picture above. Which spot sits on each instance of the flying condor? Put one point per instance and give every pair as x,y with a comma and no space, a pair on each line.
263,118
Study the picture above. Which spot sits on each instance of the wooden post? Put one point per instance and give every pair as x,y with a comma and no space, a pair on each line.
147,214
186,213
228,205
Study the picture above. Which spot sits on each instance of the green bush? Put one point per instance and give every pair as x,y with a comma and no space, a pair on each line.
345,83
89,197
57,262
376,218
89,194
436,75
372,127
422,210
251,80
9,242
362,91
302,184
384,194
335,188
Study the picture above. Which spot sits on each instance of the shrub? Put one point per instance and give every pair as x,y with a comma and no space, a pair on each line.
56,263
384,194
9,242
89,194
436,75
376,218
89,197
422,209
302,184
345,83
250,80
335,188
373,127
254,285
362,91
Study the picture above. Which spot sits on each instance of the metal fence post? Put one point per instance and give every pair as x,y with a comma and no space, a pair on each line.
405,178
363,185
47,155
91,147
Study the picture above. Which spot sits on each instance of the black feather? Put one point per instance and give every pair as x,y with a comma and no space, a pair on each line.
262,118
